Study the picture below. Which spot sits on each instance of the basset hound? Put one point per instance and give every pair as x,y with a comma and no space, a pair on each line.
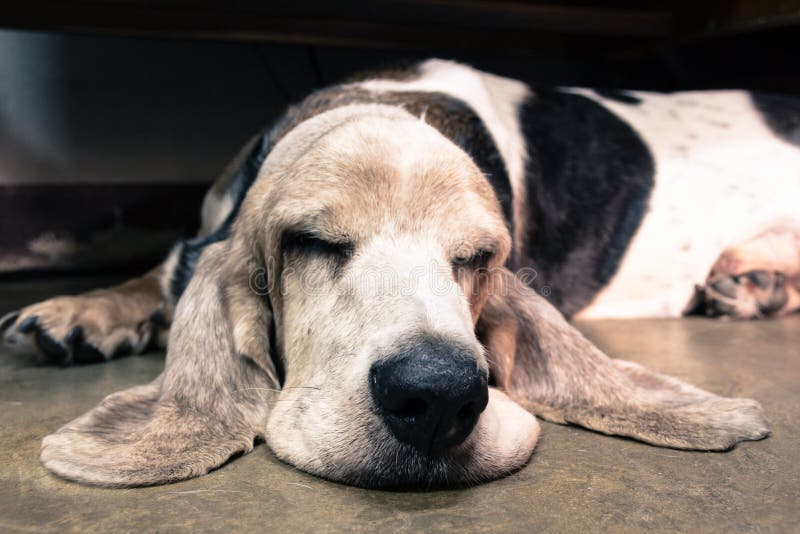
383,280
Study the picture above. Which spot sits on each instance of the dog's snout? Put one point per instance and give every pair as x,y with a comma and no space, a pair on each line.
430,396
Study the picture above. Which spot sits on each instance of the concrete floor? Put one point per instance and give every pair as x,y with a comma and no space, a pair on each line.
576,481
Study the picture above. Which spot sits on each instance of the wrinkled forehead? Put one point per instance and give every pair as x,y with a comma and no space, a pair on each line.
376,167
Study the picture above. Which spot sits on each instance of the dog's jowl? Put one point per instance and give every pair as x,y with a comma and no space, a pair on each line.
381,285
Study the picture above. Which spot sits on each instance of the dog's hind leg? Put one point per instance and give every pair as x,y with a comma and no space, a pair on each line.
94,326
756,278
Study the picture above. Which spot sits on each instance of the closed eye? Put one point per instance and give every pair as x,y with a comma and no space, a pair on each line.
479,260
311,244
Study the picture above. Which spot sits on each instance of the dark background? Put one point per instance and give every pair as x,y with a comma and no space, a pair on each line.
116,114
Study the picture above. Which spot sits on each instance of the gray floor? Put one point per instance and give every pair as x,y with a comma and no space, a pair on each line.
576,480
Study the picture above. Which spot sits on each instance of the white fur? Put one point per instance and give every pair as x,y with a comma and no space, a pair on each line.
168,269
494,99
722,177
216,208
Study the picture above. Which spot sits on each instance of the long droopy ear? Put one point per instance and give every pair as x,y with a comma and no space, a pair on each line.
209,404
548,367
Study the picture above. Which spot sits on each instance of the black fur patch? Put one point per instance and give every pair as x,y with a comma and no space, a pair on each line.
589,177
781,113
189,250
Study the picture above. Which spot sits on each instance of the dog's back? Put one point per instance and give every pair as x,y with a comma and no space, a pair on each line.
618,201
727,170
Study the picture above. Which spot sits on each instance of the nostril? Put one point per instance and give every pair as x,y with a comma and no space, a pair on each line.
411,408
467,411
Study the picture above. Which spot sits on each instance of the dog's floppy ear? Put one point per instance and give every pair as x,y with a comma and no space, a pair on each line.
209,404
547,366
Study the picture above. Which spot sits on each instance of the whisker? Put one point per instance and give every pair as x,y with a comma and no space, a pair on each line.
277,390
258,389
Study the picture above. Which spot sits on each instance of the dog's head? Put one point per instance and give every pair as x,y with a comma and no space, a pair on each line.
355,319
380,237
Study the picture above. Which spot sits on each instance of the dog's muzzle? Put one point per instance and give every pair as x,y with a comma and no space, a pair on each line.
430,395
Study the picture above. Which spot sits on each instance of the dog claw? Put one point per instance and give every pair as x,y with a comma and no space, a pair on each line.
749,295
61,334
159,318
718,308
86,353
726,286
74,336
7,320
760,279
28,325
52,349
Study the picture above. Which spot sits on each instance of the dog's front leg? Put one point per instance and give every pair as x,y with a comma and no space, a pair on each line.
94,326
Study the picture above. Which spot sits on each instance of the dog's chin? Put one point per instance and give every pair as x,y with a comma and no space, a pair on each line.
501,443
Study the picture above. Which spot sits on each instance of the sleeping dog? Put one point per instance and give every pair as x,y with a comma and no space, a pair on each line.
380,285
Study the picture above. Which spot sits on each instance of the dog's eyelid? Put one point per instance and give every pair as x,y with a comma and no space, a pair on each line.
478,259
305,240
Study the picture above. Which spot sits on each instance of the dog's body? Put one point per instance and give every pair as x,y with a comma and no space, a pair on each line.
449,180
619,203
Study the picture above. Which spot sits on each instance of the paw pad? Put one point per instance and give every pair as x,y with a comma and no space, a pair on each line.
745,296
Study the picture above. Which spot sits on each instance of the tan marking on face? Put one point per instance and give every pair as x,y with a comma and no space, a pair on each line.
387,176
502,347
475,283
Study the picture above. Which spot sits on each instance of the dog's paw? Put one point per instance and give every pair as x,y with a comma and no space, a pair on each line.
719,424
749,295
77,329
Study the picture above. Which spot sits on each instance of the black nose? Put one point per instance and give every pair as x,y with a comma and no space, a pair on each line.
430,396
